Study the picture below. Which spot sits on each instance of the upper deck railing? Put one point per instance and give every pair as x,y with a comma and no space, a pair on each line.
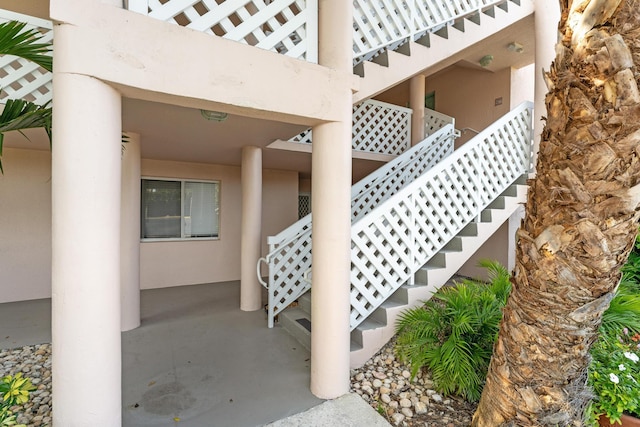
20,78
289,27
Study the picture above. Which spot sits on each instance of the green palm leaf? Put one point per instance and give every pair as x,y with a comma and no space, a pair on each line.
19,114
15,40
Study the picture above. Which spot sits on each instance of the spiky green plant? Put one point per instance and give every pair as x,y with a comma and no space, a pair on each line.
452,335
624,310
25,43
19,114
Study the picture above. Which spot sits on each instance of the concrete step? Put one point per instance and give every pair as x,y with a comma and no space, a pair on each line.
379,328
298,323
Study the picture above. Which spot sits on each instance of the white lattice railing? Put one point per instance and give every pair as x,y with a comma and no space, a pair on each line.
378,127
20,78
434,121
289,27
398,237
386,24
290,251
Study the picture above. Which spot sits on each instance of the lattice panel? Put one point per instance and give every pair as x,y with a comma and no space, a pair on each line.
288,27
289,255
434,121
402,173
387,24
287,266
304,205
378,127
379,23
392,242
20,78
304,137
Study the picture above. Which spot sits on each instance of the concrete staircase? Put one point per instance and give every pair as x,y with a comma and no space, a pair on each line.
379,328
437,50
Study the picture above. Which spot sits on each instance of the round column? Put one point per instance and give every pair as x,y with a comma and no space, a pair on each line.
86,167
331,207
416,101
130,233
251,233
547,17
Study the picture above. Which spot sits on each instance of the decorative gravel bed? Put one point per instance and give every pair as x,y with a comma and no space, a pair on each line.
385,384
34,361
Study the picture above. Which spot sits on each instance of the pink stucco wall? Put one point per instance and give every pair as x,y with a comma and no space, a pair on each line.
25,226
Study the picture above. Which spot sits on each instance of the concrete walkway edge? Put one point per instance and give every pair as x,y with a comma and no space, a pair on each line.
346,411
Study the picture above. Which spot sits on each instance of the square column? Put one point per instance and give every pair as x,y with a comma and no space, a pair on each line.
86,167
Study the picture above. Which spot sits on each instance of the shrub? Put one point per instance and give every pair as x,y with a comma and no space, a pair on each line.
453,333
614,371
14,390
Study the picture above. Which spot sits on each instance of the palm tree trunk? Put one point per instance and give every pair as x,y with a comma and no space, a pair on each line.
580,222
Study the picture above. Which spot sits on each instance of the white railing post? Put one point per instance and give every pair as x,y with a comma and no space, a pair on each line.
312,31
138,6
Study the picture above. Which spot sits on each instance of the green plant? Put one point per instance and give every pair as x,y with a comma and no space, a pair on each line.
14,390
614,371
453,333
614,376
18,114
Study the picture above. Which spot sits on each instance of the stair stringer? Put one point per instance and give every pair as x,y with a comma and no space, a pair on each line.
370,336
440,54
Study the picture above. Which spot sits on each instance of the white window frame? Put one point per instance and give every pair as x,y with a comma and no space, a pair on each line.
182,182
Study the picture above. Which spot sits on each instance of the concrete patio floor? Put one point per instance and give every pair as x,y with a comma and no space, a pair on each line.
197,359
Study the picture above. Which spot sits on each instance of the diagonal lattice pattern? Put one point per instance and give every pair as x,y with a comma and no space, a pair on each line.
288,27
20,78
289,255
387,24
391,243
378,127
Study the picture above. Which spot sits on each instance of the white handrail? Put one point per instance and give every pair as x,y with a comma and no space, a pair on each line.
290,251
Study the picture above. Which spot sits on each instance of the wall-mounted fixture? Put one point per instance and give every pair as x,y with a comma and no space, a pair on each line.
486,60
216,116
515,47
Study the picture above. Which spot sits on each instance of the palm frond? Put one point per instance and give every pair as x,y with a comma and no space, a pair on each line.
18,41
453,333
19,115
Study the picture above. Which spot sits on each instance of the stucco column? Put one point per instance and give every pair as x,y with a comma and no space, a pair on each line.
547,16
130,233
86,167
251,233
416,101
331,207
